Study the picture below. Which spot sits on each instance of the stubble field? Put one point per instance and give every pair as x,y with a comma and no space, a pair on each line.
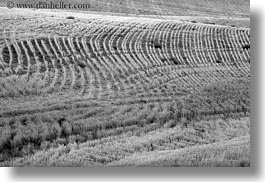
101,89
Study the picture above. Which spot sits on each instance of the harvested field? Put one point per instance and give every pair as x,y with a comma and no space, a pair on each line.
99,89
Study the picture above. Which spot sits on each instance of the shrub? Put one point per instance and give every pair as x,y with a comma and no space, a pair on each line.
62,141
184,122
45,145
66,129
72,139
218,61
170,124
56,130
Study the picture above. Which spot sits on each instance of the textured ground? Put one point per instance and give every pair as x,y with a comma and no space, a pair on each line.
111,90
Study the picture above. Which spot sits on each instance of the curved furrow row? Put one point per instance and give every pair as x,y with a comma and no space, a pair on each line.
235,62
42,58
92,65
223,58
175,37
81,63
199,44
29,59
237,50
106,53
115,58
7,54
129,54
101,70
155,44
84,67
167,51
73,67
101,73
190,49
69,61
62,60
119,54
50,64
110,61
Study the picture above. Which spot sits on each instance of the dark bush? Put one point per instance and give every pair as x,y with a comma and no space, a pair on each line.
247,46
157,45
81,64
218,61
70,17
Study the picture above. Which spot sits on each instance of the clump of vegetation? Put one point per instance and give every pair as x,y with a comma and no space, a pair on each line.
175,61
247,46
210,23
218,61
70,17
157,45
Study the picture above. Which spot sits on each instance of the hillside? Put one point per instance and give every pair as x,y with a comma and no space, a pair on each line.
228,8
95,89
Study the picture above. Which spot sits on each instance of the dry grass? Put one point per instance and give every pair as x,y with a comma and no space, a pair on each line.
104,89
233,153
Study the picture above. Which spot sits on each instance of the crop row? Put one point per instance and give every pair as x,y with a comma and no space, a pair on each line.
131,58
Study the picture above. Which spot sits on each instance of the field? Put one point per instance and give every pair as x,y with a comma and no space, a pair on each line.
125,87
212,8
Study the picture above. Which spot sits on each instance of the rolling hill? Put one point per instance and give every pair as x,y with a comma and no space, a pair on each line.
101,89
